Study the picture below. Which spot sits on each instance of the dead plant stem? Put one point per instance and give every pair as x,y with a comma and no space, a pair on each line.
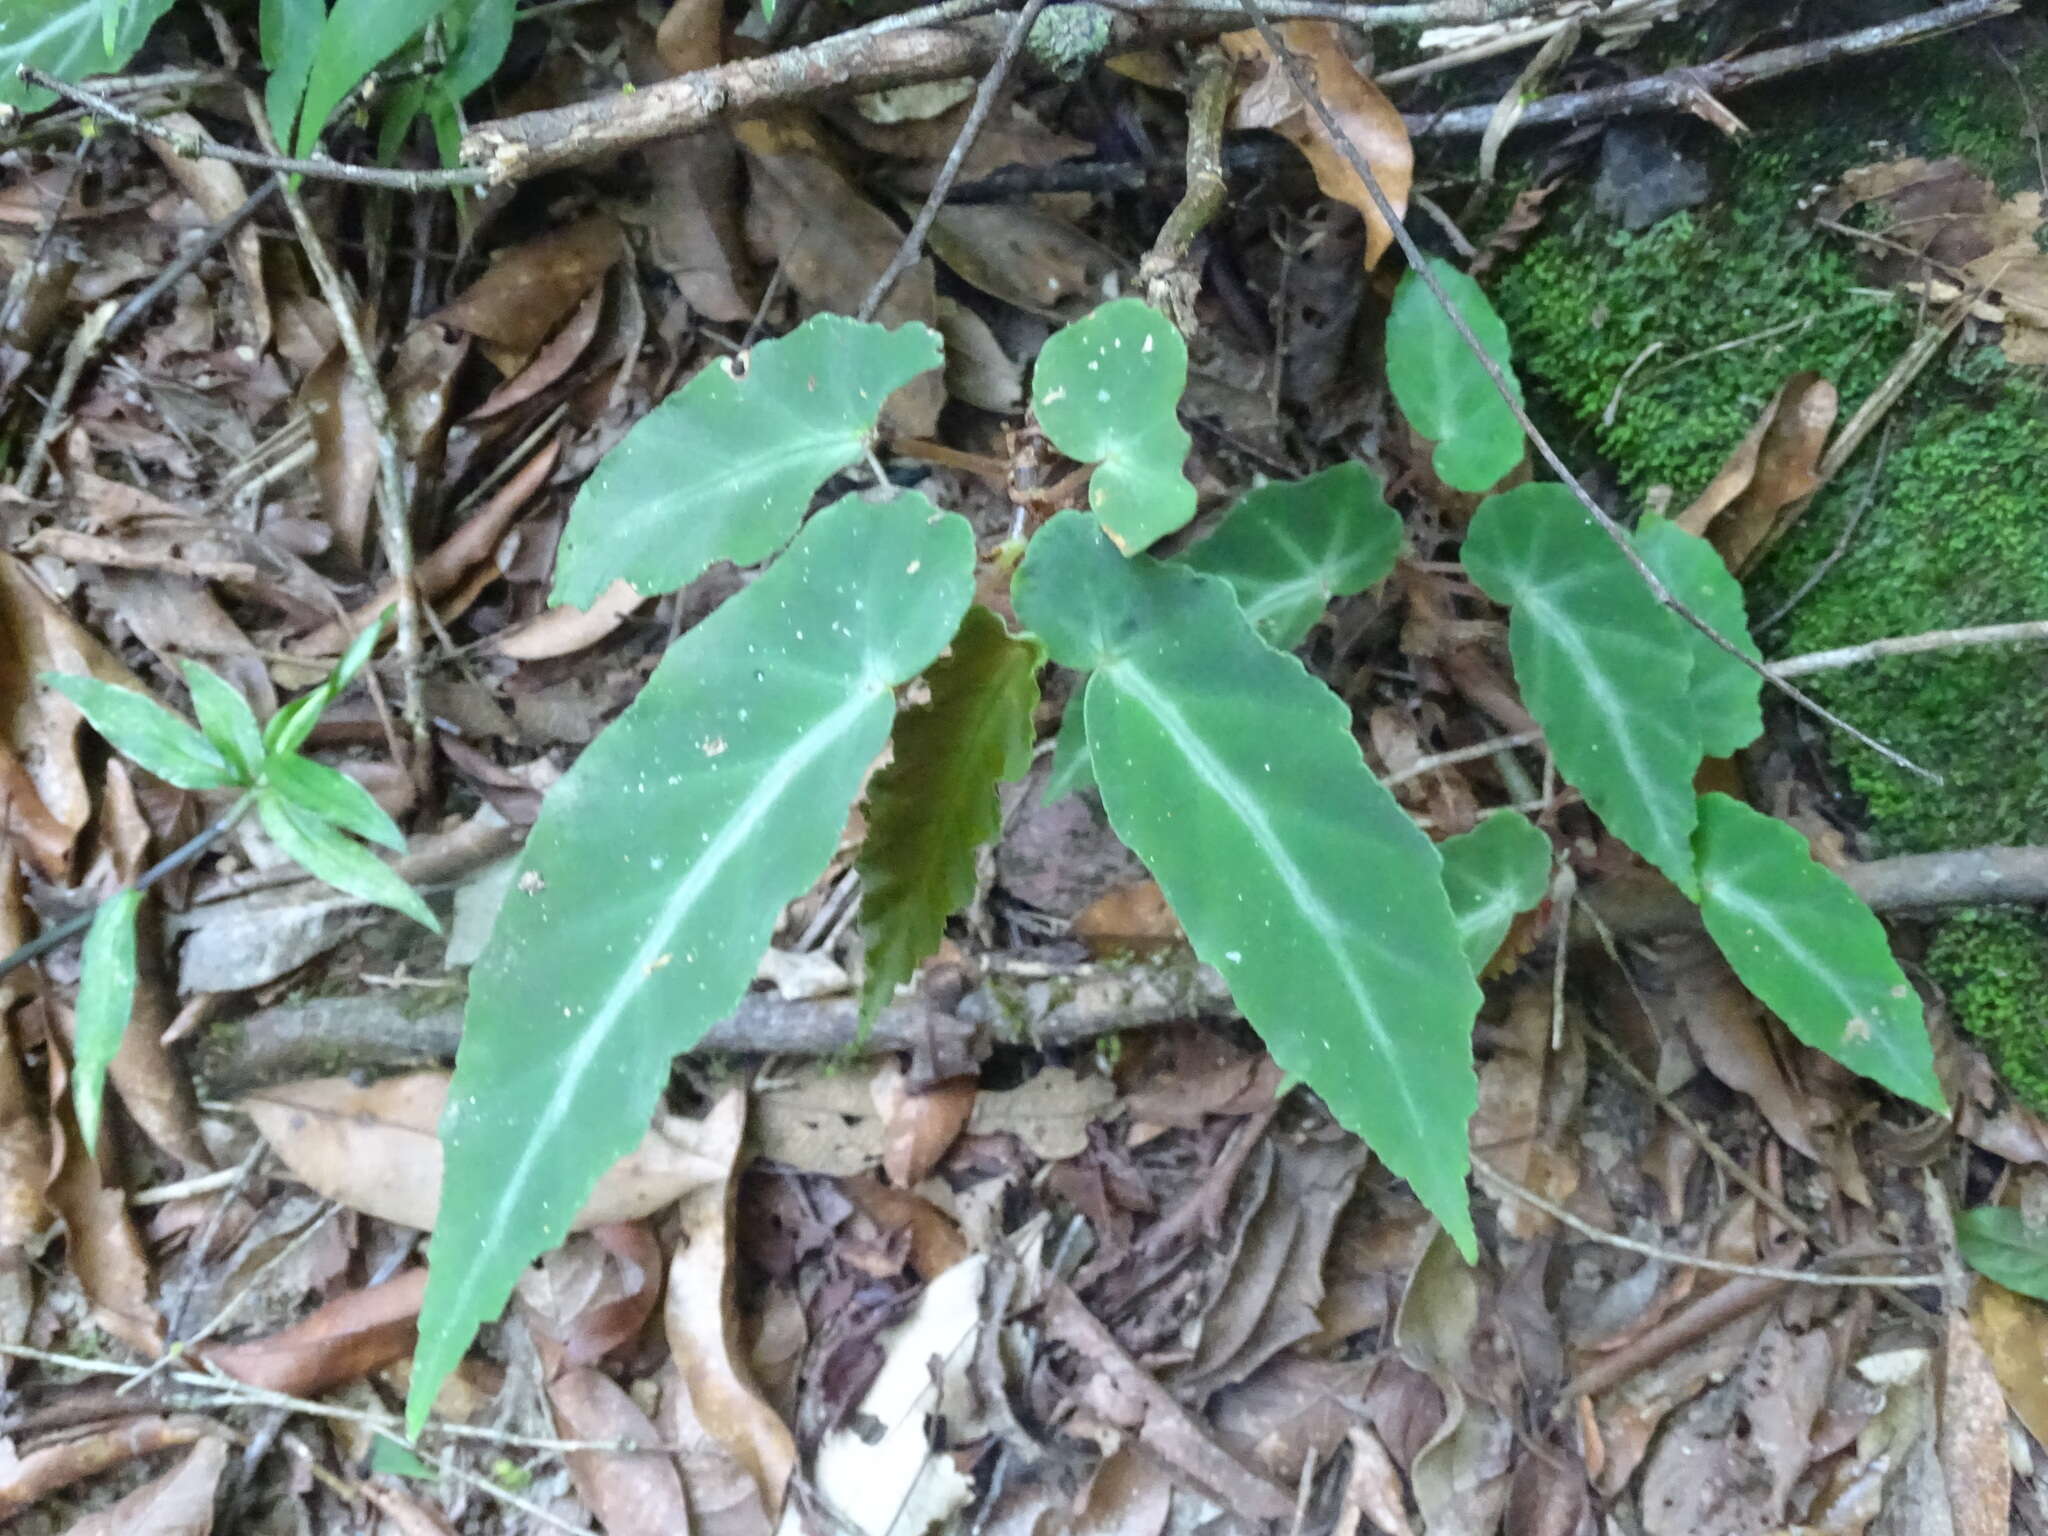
1339,136
1170,282
394,511
2031,632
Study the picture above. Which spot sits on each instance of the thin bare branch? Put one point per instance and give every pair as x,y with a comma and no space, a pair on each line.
2032,632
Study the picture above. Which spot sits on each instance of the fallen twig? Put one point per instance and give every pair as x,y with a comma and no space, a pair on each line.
193,148
2031,632
1680,90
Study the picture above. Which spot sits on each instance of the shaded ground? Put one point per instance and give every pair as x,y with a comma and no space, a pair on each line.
1111,1280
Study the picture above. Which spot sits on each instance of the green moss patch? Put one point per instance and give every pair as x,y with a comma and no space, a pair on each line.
1994,968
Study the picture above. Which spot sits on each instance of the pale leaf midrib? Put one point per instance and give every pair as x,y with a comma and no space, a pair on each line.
597,1031
1321,919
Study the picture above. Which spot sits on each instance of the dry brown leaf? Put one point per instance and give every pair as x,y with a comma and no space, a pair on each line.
1460,1477
101,1244
1760,491
1129,1495
565,630
1371,122
935,1241
342,1340
919,1126
180,1503
1181,1076
556,356
344,450
530,289
1373,1490
1972,1443
457,555
692,212
1024,256
637,1494
26,1480
1528,1096
833,243
702,1326
2013,1331
217,188
1129,920
593,1294
376,1150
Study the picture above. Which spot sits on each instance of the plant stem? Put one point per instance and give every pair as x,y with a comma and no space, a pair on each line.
170,864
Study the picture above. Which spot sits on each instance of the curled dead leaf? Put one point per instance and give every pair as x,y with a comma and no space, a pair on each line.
376,1150
1760,491
1360,108
342,1340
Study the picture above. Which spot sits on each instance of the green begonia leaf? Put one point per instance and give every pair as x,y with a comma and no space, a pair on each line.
1498,869
106,1000
651,884
144,730
1107,392
1602,665
1288,548
934,805
1809,948
1726,696
1997,1243
1234,775
724,467
1443,389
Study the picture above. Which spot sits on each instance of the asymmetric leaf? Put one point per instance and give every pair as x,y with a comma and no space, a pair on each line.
724,467
933,807
1288,548
143,729
1071,769
68,39
1107,392
106,999
1498,869
1443,389
1602,666
651,883
1996,1241
1234,775
1809,948
1726,697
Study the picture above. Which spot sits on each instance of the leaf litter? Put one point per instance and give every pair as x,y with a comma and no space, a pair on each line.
1129,1287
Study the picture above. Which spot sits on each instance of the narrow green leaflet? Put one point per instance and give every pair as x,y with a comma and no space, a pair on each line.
334,797
1601,665
1443,389
1107,392
1809,948
358,36
316,846
68,39
227,721
935,804
1726,696
1234,775
143,729
724,467
1498,869
106,998
1071,768
1288,548
1997,1243
651,883
289,31
290,726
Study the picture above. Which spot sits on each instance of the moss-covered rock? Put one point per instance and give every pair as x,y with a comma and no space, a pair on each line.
1994,968
1656,351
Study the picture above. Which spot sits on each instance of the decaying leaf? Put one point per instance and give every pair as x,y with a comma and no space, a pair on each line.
179,1503
1972,1437
919,1125
1361,109
745,1454
1759,493
375,1150
347,1338
532,288
631,1493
